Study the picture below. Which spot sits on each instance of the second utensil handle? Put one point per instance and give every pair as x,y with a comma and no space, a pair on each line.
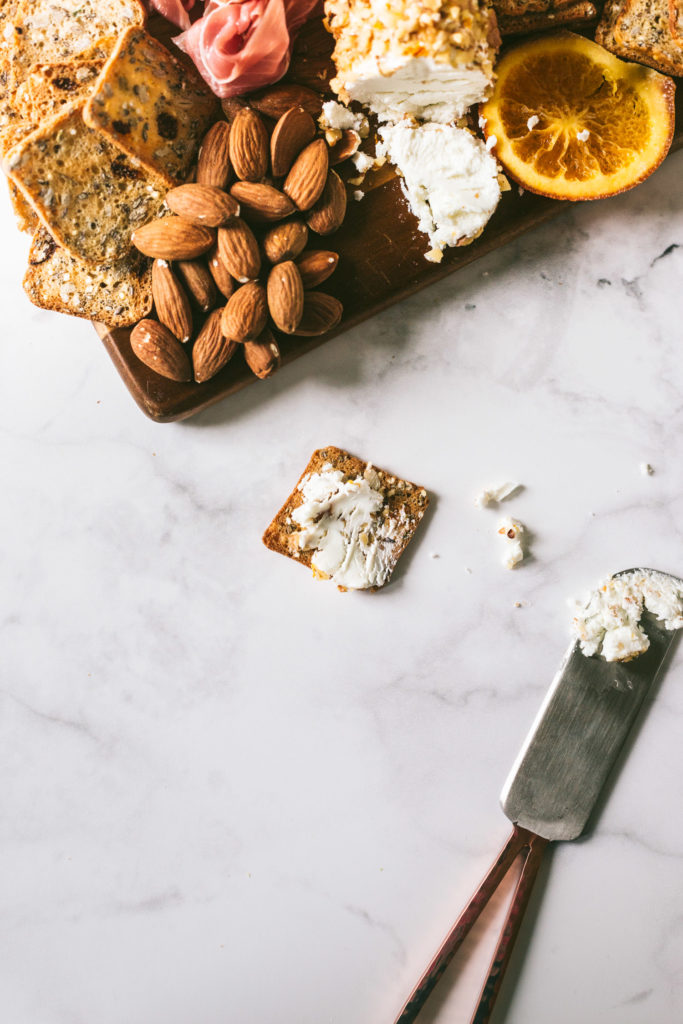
520,840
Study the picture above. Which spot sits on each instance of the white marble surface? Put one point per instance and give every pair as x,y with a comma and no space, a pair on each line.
232,795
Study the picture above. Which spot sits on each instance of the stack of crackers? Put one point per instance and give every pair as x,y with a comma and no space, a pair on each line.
97,121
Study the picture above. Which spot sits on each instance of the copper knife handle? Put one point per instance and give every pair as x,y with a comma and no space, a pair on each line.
520,840
501,957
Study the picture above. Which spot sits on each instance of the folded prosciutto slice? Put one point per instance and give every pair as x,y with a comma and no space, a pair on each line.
238,45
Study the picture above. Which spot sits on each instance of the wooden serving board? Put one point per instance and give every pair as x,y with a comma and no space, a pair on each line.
381,261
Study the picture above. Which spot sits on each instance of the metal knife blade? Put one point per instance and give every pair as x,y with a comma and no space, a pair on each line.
577,735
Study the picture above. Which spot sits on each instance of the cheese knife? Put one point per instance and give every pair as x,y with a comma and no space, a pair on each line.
553,788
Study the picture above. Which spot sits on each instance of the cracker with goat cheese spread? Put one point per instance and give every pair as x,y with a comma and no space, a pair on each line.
347,521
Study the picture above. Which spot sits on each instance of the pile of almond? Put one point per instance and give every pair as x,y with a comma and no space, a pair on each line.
230,258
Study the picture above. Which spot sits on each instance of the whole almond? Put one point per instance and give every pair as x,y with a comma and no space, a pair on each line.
248,145
328,213
277,100
261,202
213,162
220,273
239,251
263,355
345,147
306,180
156,347
285,296
315,266
294,130
172,238
204,205
212,350
321,313
199,283
246,313
171,302
285,241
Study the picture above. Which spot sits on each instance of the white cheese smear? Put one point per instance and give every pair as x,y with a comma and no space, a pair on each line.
338,520
493,495
449,179
608,621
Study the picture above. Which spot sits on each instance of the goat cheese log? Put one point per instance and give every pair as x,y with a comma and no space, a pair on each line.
428,59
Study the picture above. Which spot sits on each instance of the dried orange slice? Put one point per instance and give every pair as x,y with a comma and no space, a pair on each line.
572,121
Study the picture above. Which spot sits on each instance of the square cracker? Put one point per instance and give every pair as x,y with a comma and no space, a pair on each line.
646,31
118,294
88,194
152,105
52,31
405,502
50,87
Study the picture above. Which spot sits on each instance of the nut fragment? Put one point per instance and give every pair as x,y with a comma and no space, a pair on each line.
248,145
239,251
294,130
285,241
220,273
198,282
212,350
205,205
171,302
246,313
306,180
315,266
263,355
321,313
157,348
172,238
344,147
277,100
213,163
328,213
261,202
285,296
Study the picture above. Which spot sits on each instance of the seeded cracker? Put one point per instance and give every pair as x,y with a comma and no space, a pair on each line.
152,106
51,31
403,505
118,295
89,194
647,31
49,87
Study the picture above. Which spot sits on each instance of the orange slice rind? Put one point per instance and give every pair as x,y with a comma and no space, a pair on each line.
572,121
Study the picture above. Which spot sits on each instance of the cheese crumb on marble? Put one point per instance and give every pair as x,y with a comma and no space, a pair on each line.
340,520
608,622
646,469
448,177
513,535
492,495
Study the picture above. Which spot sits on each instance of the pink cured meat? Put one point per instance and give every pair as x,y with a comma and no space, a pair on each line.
176,11
241,45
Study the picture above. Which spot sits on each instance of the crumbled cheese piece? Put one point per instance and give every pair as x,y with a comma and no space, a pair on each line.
512,532
482,122
492,495
337,117
358,195
362,162
491,142
532,122
449,179
646,469
608,622
340,521
583,136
